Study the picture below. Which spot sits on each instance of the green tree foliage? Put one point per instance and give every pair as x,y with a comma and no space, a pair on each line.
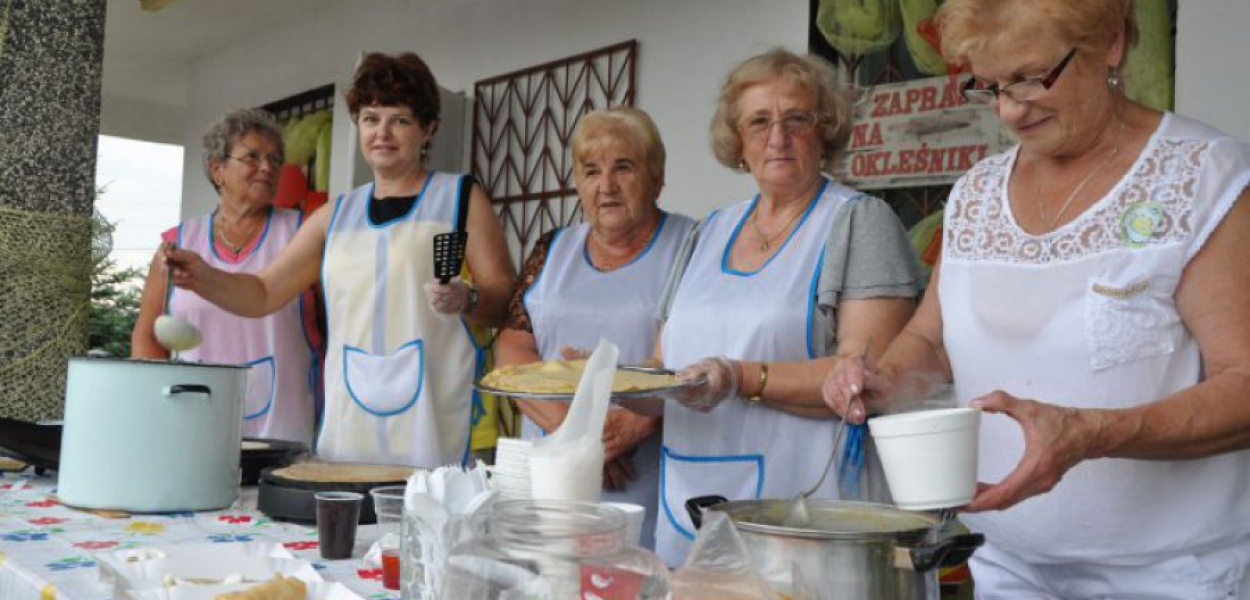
115,295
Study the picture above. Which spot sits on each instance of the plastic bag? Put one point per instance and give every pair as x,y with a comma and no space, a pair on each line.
719,566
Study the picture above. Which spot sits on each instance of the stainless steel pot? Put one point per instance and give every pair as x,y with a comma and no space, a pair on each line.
151,436
851,549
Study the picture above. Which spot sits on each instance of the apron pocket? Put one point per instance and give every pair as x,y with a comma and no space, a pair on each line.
385,385
262,379
682,477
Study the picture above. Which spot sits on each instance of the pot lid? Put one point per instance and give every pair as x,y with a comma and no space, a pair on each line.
830,519
152,362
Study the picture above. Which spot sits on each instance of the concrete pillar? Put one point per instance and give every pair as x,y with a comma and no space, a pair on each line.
50,61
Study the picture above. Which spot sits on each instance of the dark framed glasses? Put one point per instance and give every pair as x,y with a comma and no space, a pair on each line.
974,90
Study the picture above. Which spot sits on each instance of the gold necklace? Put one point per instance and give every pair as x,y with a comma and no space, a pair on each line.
1037,184
602,264
221,233
766,241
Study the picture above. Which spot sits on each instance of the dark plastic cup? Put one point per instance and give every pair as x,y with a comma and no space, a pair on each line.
337,516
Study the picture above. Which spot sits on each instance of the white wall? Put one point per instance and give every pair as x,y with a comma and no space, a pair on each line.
685,49
1212,70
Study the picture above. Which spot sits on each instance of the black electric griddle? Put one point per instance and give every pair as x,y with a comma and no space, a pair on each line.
39,445
288,499
31,443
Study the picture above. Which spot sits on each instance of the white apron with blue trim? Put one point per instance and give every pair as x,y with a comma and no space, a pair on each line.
574,304
737,450
279,400
399,376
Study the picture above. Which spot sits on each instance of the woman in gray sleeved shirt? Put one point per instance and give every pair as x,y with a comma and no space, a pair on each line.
806,270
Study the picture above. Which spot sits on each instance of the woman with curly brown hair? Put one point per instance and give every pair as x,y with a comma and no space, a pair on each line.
400,358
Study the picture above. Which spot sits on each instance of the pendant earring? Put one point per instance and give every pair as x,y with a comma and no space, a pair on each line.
1114,80
742,166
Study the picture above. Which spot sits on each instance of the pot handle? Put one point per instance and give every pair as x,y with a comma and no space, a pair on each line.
187,388
952,551
696,506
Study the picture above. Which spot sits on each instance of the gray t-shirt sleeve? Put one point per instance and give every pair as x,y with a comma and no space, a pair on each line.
867,255
680,262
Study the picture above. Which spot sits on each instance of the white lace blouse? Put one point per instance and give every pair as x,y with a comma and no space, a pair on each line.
1086,316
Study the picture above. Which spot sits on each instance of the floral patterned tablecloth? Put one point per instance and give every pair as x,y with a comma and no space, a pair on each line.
47,550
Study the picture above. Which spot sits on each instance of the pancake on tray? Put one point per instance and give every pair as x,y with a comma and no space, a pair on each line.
561,377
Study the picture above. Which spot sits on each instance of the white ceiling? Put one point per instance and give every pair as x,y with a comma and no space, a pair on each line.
147,54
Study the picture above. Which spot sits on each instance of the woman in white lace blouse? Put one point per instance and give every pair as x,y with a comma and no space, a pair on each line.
1092,299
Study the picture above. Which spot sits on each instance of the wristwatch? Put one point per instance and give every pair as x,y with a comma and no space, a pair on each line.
472,303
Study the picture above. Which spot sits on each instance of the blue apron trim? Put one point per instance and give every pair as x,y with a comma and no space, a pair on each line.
655,236
411,210
420,344
811,304
212,235
273,384
665,454
455,224
724,262
477,410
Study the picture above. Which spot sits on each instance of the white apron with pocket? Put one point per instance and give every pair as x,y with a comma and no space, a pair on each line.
279,402
399,376
574,304
737,450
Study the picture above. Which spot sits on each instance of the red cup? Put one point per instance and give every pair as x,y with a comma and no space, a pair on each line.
390,568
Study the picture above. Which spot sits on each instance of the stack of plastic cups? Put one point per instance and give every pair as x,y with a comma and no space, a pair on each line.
511,474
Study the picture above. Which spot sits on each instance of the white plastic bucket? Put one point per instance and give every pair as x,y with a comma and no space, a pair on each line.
929,457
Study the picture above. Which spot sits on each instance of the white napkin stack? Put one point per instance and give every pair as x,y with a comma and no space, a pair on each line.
568,464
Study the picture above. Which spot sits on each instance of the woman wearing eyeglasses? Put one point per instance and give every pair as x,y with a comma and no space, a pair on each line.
401,353
1092,299
805,268
244,233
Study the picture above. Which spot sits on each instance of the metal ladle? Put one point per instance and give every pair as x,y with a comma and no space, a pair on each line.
174,334
797,514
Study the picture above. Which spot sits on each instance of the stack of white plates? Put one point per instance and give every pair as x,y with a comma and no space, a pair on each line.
510,477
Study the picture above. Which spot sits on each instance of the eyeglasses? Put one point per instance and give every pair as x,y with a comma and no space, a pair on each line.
792,123
1020,91
253,159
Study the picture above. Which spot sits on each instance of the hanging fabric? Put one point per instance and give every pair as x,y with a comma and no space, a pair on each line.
857,27
1149,68
917,21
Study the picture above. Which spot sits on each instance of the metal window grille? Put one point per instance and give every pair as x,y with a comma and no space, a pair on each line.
522,134
301,104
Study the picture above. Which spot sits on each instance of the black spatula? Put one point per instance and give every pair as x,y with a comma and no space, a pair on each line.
449,247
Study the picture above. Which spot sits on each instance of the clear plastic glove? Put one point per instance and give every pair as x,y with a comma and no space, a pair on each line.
574,353
719,378
451,298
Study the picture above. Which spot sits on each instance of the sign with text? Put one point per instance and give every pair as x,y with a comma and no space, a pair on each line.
917,133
